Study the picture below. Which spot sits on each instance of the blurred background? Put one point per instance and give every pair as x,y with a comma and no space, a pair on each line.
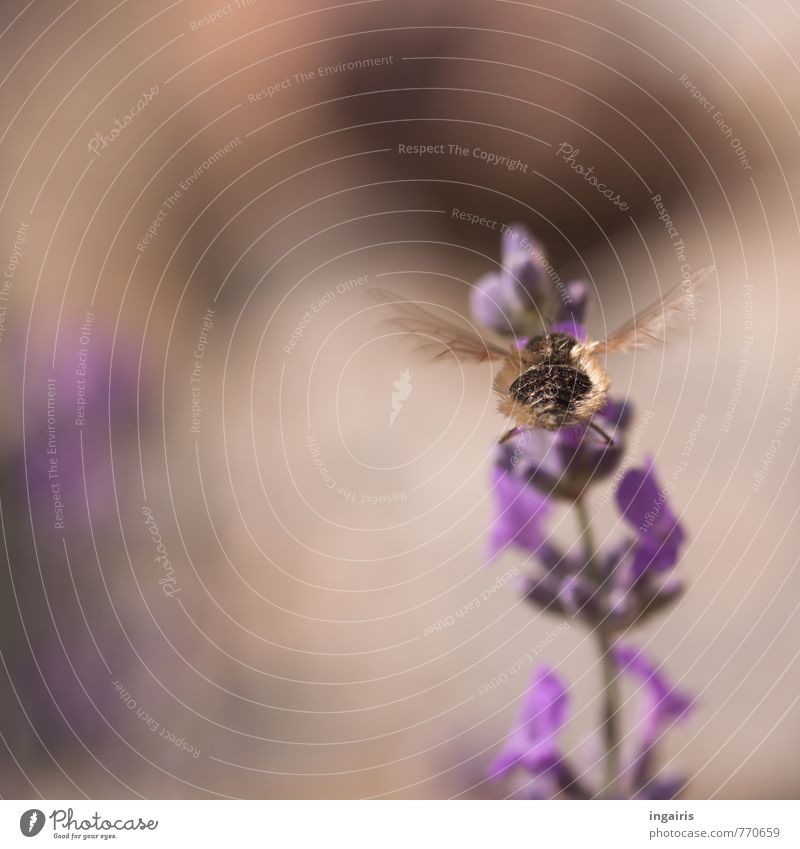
222,558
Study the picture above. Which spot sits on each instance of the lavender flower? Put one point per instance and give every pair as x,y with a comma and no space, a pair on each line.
562,463
661,705
511,301
532,745
521,514
608,589
50,487
643,505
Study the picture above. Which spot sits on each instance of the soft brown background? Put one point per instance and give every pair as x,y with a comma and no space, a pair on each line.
296,659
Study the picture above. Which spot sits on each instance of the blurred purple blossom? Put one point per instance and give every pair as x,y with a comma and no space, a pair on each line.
564,462
521,512
660,705
526,293
643,504
72,409
532,745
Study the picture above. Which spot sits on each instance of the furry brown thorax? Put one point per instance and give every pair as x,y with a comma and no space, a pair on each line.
555,381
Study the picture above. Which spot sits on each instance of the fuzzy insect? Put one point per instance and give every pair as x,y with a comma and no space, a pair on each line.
554,380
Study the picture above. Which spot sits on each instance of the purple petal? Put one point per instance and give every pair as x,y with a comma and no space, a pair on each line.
638,493
495,303
524,260
530,278
662,702
570,327
512,237
532,744
616,413
644,506
506,760
643,503
573,300
652,556
545,706
521,512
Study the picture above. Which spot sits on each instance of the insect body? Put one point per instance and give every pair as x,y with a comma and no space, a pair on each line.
552,380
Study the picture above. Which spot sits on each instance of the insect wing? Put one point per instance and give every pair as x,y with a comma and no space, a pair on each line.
648,328
434,336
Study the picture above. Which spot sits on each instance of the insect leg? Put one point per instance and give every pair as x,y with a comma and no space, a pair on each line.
600,430
507,435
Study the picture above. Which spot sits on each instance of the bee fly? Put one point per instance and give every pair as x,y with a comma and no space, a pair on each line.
554,380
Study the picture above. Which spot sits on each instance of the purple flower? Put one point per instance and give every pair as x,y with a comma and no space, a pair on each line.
642,503
72,412
613,600
521,299
69,406
626,582
609,589
521,511
629,596
572,303
563,463
512,300
661,704
532,745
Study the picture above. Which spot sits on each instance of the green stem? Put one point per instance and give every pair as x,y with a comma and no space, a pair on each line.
610,713
610,723
587,536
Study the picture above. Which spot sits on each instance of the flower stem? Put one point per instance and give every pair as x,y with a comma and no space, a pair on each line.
610,724
587,536
610,713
